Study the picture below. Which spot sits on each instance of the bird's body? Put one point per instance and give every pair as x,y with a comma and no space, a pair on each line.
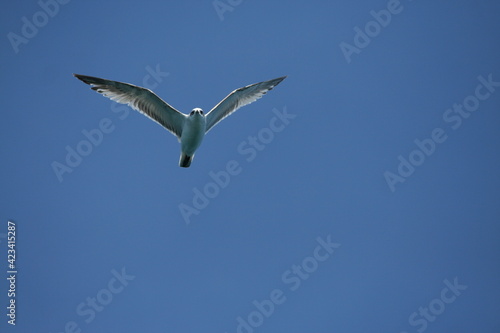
189,129
193,133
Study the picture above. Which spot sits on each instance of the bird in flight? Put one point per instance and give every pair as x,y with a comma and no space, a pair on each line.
189,129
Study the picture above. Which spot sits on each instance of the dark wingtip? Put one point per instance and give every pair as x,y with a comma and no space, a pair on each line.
90,80
279,79
82,78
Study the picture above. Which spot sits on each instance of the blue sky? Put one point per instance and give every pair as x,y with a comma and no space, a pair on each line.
373,206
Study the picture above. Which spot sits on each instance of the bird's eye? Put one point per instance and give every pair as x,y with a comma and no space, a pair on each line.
201,112
192,112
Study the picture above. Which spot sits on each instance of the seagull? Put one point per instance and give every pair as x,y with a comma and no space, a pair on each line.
189,129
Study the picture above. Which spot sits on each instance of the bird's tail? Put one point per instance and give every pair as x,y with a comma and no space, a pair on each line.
185,160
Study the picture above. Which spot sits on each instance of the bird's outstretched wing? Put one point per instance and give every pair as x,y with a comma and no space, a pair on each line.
239,98
140,99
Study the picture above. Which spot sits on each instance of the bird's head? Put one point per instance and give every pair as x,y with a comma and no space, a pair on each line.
196,111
